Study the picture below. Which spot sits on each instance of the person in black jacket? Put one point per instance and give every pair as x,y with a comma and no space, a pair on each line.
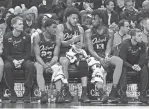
133,53
17,55
110,16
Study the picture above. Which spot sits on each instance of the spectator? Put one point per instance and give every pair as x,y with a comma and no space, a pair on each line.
70,33
119,6
98,42
145,32
122,34
3,26
110,16
29,24
145,5
129,12
133,53
22,6
17,54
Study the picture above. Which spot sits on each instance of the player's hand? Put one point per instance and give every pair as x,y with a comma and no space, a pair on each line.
76,37
103,62
16,63
78,45
137,67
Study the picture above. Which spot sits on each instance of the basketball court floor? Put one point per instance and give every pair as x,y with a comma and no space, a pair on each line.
75,105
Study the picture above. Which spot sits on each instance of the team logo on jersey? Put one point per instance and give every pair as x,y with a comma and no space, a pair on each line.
10,39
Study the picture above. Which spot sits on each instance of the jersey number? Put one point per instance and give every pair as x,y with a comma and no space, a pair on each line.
100,46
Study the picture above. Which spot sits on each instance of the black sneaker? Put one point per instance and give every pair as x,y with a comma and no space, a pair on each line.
66,93
26,99
123,99
59,98
143,98
13,99
113,95
44,97
26,96
84,99
104,98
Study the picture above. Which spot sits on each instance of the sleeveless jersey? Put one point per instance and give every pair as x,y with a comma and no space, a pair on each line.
99,41
46,48
68,34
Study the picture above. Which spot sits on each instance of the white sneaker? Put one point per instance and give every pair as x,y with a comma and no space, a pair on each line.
0,100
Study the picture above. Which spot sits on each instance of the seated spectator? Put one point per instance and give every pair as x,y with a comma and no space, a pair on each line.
145,31
129,12
98,42
145,5
70,33
122,34
46,48
119,6
133,53
3,26
110,16
29,24
22,6
17,54
58,7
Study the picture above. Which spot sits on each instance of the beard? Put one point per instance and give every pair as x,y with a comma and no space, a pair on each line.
71,24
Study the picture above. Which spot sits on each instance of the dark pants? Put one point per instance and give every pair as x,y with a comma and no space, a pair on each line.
27,66
143,79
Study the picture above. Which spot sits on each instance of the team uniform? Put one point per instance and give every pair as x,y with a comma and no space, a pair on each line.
133,54
46,48
68,34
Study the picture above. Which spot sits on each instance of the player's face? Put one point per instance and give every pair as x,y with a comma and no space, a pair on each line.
52,29
73,19
18,25
96,21
138,37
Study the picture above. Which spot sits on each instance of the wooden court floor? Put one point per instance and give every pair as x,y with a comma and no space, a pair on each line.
74,105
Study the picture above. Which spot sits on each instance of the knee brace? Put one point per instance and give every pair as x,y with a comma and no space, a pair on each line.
83,68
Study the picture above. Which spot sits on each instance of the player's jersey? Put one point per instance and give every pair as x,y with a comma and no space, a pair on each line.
99,41
46,48
68,34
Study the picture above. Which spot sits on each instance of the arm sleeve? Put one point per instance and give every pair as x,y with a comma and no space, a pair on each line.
143,56
7,50
123,54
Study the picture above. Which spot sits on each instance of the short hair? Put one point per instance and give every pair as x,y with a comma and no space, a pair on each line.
49,22
126,1
134,31
99,13
15,19
108,1
70,11
122,22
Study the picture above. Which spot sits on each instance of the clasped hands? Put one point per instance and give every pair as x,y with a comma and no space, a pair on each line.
17,63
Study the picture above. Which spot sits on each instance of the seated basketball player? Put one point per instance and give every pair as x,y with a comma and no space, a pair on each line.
70,34
17,53
98,42
46,48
